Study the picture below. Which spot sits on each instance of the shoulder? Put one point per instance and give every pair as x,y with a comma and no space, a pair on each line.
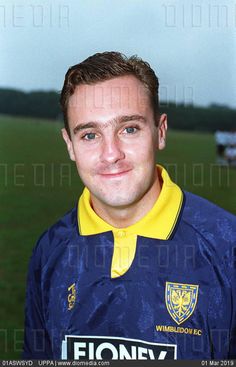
201,209
208,219
56,237
211,230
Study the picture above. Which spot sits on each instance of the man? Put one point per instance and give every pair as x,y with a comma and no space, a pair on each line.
139,269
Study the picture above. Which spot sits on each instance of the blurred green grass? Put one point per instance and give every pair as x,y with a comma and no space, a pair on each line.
38,184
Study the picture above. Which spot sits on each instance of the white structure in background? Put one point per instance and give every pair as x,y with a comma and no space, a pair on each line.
226,147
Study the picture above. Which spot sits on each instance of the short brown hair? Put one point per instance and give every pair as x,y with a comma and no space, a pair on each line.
104,66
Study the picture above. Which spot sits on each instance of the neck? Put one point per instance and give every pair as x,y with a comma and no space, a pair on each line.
125,216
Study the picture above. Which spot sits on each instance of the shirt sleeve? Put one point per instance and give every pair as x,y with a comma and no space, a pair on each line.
232,279
36,338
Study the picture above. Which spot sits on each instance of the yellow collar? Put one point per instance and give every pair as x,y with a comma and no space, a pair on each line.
158,223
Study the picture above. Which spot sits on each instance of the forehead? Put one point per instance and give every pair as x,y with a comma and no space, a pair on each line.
105,100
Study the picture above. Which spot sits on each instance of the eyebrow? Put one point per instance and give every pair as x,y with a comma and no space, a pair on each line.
117,120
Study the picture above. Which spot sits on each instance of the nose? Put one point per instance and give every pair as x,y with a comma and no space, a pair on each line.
111,150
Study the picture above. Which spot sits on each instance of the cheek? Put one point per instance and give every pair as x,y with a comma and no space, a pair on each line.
85,157
86,163
142,151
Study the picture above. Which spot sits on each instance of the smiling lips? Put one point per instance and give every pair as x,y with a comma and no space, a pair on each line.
115,174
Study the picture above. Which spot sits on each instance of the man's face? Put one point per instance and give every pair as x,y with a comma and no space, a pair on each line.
114,138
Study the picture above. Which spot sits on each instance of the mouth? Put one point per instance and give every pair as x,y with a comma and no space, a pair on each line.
115,174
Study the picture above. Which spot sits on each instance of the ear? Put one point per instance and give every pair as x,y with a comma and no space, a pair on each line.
162,129
68,144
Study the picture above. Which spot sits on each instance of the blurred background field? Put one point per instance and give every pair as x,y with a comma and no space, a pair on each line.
38,184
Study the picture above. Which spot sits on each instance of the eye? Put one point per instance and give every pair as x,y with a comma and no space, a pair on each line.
130,130
89,136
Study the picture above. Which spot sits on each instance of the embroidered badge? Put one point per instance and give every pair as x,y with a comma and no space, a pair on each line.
72,296
181,300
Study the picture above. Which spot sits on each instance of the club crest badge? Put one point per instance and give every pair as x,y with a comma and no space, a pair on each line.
181,300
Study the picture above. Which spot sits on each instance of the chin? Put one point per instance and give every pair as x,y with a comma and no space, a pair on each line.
118,201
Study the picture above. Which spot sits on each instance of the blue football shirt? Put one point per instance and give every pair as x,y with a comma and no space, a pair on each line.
164,288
